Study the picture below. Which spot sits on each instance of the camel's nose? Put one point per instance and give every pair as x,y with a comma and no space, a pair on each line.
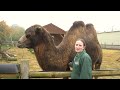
18,44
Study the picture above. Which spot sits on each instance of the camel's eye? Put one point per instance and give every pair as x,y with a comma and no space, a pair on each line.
28,36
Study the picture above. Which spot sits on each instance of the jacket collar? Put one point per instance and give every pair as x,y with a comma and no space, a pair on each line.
80,53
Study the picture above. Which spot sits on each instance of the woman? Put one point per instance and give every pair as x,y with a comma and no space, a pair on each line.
82,63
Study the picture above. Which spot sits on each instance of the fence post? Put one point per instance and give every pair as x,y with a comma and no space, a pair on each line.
24,66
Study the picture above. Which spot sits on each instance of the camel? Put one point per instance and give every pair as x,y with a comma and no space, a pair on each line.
56,58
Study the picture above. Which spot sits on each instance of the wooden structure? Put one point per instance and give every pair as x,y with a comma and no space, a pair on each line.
56,32
109,38
21,71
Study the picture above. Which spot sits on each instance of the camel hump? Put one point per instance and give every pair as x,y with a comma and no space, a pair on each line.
89,25
78,24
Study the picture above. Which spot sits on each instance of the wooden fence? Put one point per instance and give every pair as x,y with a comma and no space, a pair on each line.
110,46
24,73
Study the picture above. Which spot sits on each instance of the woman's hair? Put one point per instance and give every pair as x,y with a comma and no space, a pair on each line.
84,43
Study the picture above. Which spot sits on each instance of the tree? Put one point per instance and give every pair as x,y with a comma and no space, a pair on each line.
17,32
5,31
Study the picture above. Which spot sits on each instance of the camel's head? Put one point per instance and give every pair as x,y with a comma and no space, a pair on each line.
30,39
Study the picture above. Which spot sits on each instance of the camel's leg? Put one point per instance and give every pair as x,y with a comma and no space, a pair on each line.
97,67
68,69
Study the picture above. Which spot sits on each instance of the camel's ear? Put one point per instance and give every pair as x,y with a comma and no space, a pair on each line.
38,30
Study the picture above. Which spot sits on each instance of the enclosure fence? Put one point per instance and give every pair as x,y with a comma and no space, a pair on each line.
21,71
110,46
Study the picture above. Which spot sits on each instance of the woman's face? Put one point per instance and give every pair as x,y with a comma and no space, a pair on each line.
79,47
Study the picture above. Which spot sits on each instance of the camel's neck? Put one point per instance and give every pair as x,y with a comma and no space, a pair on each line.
42,49
48,58
39,49
39,52
48,40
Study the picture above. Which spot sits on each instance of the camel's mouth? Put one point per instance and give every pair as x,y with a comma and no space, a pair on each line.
19,45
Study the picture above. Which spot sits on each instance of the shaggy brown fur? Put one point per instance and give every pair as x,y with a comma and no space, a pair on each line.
56,58
93,46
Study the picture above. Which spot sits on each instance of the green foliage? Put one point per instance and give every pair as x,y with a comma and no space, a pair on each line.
10,33
17,32
5,47
31,50
5,31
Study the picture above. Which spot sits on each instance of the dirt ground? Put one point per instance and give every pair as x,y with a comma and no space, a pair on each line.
111,60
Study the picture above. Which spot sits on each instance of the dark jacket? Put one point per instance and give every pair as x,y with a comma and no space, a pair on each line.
82,66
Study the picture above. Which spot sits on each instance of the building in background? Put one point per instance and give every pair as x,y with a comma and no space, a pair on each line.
109,39
56,32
